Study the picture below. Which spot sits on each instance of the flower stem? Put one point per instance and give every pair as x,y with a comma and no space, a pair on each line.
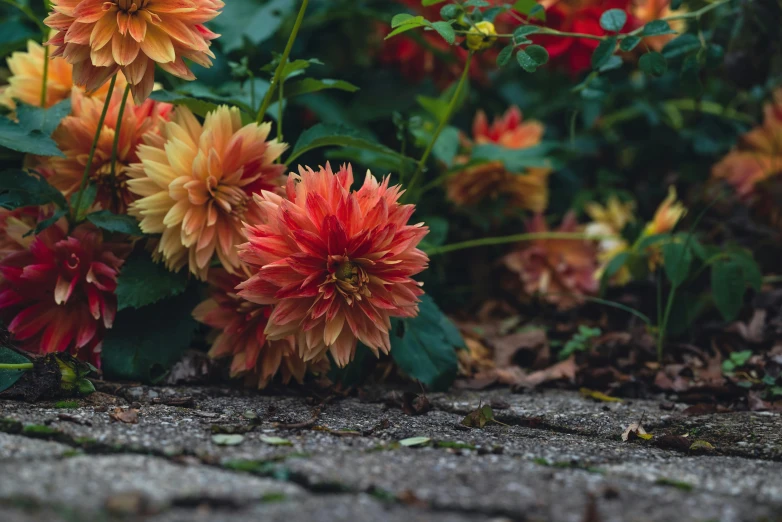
115,145
516,238
88,167
21,366
267,99
279,113
446,119
45,74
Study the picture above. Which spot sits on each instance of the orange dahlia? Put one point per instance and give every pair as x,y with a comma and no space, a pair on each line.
336,264
239,328
59,294
195,182
475,183
100,37
74,137
667,214
561,271
758,156
26,80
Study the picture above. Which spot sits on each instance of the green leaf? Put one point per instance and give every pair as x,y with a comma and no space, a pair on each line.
46,223
275,441
515,160
676,4
310,85
530,8
616,263
677,259
240,21
87,199
438,231
427,3
603,52
415,441
523,31
143,282
20,189
144,343
614,62
227,439
728,287
9,377
538,53
34,118
198,107
14,136
653,64
681,45
690,76
526,61
657,27
613,20
424,347
751,270
629,43
445,30
329,134
408,24
505,55
447,145
122,224
450,11
403,18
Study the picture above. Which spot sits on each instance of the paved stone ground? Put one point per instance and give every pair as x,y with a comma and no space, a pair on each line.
556,457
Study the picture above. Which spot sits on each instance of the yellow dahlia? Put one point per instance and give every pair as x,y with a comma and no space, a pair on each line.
100,37
667,215
195,182
26,80
74,137
607,224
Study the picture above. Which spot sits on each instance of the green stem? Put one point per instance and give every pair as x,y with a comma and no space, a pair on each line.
45,74
88,167
664,325
706,107
117,130
22,366
443,122
516,238
279,113
267,99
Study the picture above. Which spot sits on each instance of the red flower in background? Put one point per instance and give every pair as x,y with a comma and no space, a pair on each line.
240,327
59,294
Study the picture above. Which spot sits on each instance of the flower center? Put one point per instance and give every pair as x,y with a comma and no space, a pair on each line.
131,6
349,278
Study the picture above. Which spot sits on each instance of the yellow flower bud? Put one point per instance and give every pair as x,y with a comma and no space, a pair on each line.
482,36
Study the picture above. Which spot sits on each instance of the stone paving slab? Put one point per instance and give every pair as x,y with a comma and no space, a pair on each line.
556,456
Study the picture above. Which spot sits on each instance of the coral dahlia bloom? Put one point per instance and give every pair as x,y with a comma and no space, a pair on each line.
74,137
667,215
475,183
59,294
100,37
195,182
758,156
561,271
239,326
336,264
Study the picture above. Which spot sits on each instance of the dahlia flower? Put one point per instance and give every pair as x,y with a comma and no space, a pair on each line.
101,37
74,137
607,224
26,79
475,183
14,227
561,271
239,327
578,16
336,264
59,294
667,215
195,182
758,156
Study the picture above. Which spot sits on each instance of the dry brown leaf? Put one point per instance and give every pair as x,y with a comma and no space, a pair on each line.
635,431
752,331
562,370
129,416
506,347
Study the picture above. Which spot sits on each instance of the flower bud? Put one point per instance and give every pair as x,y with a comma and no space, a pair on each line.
482,36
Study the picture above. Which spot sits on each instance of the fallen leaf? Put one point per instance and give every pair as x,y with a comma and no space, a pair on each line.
702,446
415,441
506,347
598,396
479,418
275,441
700,409
562,370
635,431
127,416
673,442
224,439
752,331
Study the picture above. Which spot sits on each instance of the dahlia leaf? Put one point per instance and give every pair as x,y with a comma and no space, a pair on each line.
46,223
86,200
248,21
516,160
44,120
20,189
14,136
9,377
144,343
310,85
329,134
424,347
677,258
122,224
199,107
143,282
728,287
